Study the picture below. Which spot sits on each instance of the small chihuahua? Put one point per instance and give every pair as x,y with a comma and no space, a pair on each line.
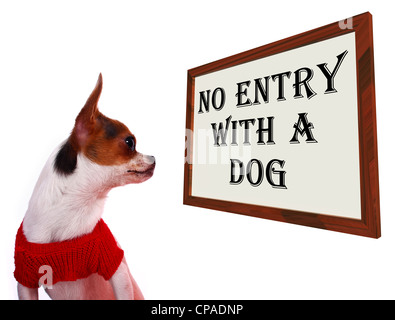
62,242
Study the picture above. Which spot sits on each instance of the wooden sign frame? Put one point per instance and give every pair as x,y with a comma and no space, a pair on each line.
369,222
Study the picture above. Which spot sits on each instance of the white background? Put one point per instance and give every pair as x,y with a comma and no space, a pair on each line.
50,56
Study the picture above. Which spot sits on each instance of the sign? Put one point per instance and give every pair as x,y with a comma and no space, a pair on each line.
287,131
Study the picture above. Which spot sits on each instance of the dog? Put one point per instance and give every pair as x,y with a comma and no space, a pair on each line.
62,243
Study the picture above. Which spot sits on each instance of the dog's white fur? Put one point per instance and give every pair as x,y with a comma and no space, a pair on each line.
65,207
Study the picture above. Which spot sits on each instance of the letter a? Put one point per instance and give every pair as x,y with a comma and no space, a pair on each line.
303,126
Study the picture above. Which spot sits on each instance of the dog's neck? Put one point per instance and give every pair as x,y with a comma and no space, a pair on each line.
65,207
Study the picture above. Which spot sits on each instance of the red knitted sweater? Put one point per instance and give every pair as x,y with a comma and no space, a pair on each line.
96,252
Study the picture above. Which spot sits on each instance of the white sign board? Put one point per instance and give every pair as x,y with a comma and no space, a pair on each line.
281,131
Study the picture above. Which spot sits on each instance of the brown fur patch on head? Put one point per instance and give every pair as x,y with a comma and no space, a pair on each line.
106,145
100,139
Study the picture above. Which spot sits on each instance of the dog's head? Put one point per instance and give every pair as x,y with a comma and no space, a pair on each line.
104,147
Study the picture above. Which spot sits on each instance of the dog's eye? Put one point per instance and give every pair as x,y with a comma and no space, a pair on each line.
131,142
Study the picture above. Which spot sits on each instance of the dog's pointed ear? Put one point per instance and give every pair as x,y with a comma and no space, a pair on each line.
90,110
85,121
